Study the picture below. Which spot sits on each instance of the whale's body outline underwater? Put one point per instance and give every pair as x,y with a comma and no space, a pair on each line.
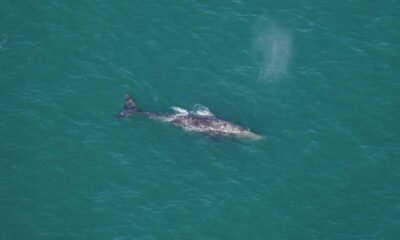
202,121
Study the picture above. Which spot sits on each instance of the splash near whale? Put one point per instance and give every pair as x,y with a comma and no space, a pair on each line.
201,120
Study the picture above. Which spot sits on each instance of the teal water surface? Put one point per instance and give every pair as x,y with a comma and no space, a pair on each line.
318,79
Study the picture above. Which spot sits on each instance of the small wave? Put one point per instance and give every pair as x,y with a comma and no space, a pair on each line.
3,39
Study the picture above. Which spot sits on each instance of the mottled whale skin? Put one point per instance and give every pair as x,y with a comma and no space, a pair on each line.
203,123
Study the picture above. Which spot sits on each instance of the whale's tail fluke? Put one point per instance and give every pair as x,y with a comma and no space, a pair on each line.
128,102
129,107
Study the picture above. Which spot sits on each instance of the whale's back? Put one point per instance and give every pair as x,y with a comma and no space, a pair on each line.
207,124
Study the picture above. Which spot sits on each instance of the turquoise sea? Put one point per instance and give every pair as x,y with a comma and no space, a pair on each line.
319,80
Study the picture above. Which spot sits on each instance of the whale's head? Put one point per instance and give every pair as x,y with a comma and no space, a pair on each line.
129,108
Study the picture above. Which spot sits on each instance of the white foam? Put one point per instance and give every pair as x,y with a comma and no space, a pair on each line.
202,111
180,111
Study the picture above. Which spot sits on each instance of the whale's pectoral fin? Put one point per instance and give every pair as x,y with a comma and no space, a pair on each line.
129,103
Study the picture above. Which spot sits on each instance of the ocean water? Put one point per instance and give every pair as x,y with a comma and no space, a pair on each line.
319,80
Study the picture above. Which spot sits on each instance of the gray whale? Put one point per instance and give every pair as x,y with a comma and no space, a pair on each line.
195,122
